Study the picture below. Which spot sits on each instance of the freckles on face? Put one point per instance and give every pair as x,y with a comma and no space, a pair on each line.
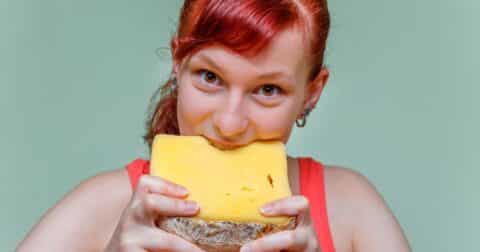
192,109
275,123
238,91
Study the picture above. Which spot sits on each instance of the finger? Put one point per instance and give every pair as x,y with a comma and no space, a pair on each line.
153,205
289,206
293,240
158,240
152,184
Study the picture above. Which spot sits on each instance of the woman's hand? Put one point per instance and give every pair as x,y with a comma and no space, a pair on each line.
153,198
302,238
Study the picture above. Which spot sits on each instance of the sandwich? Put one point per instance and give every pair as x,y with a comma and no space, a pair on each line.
229,185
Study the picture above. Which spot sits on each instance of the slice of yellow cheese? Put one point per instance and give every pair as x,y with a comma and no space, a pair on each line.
228,185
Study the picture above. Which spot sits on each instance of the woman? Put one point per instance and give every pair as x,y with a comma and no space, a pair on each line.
243,71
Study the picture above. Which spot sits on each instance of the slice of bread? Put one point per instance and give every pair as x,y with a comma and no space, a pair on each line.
219,236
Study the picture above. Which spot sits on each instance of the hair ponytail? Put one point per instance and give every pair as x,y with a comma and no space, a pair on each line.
162,117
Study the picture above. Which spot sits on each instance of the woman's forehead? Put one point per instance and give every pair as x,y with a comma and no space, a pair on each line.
287,53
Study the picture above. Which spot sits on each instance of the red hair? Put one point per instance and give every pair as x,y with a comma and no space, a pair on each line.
244,26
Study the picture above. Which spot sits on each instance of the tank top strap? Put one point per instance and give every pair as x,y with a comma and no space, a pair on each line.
312,186
136,169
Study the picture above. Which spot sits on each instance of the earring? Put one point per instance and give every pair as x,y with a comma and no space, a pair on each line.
173,84
173,80
303,120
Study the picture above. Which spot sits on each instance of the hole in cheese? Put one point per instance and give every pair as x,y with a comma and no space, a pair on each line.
270,180
247,189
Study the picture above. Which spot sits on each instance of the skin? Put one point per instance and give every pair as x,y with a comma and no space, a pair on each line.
222,97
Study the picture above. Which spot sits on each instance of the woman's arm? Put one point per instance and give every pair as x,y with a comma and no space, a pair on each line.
84,219
374,227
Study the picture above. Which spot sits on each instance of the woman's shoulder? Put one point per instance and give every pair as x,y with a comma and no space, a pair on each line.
349,192
340,183
116,182
111,185
355,205
343,181
91,209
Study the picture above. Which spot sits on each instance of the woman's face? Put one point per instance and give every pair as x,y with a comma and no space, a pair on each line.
233,100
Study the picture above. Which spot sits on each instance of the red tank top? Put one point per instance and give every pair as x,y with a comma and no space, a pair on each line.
312,186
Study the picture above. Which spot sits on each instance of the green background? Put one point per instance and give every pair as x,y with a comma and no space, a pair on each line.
401,105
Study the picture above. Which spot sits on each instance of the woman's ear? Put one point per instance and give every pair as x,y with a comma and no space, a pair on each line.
315,87
179,65
175,67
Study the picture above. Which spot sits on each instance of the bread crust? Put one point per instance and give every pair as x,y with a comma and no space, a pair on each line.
224,236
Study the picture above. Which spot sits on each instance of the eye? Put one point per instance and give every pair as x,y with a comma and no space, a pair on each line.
270,90
208,77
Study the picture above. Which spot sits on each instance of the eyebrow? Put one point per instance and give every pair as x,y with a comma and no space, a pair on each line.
281,75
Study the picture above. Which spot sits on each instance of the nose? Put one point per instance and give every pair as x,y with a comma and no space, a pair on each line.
230,120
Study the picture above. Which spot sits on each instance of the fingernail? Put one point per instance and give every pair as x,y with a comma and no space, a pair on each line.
191,206
245,249
183,190
266,208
